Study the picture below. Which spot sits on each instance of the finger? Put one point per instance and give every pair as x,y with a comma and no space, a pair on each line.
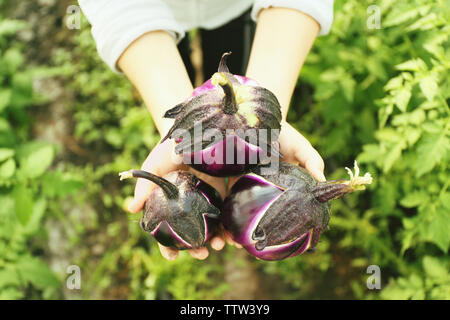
309,158
315,168
158,162
168,253
217,243
231,182
217,183
200,254
230,241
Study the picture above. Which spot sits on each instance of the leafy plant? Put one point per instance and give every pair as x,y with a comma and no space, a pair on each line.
385,91
26,182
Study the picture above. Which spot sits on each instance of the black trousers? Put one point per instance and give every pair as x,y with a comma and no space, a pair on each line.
236,36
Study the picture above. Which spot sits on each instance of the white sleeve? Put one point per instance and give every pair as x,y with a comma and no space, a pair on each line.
117,23
320,10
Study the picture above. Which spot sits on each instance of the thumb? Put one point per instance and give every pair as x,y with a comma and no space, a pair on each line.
310,159
158,162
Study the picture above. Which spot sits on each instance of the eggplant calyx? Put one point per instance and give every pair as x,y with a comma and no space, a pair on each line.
169,189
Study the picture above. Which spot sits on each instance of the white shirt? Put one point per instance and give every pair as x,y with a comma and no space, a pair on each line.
117,23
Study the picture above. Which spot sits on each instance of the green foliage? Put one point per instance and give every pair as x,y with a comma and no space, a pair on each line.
24,170
397,74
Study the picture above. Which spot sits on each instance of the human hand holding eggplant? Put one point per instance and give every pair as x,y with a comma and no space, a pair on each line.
176,214
154,66
239,110
160,162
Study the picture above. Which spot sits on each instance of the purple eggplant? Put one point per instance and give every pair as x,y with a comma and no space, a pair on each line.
182,212
227,126
280,215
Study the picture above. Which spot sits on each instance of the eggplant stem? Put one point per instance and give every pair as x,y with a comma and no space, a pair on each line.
223,62
328,190
170,190
229,101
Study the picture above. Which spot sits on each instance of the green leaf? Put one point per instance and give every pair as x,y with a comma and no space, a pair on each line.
348,88
424,23
436,229
412,135
10,26
393,155
414,199
371,153
431,150
37,214
445,200
401,98
384,113
36,272
114,137
23,203
6,153
416,117
394,83
434,268
5,98
401,15
434,44
407,240
57,184
429,87
11,293
412,65
9,277
432,127
402,289
14,59
7,169
37,162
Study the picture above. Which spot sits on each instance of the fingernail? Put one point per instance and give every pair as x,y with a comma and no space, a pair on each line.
126,203
322,176
319,175
132,206
217,244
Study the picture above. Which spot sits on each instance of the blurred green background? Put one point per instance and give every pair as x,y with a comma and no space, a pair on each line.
68,125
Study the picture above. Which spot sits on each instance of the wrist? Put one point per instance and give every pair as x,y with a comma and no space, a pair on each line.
154,66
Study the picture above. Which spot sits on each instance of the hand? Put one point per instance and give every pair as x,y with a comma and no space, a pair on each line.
296,149
161,161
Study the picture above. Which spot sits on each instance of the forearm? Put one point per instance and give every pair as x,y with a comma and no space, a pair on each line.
282,41
154,65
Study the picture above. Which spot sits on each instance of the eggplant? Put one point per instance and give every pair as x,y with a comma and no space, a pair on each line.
182,212
228,125
279,215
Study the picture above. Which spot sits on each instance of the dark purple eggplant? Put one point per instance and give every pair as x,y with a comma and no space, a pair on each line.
281,215
241,118
182,212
